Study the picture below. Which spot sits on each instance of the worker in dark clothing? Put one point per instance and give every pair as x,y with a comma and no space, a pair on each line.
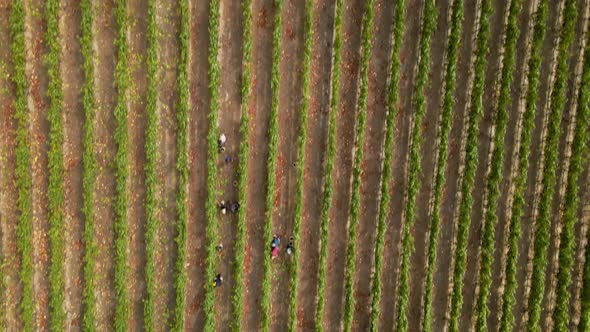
234,207
217,281
290,247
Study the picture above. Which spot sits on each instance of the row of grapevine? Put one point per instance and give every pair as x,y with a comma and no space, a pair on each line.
517,209
182,111
88,164
23,165
448,103
151,137
429,18
543,222
331,151
494,175
466,202
272,160
240,242
366,33
121,172
392,109
55,191
579,155
301,142
212,156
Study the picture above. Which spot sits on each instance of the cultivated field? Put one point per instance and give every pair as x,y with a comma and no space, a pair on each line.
428,158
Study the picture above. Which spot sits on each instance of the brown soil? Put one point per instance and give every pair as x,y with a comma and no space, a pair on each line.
230,58
352,16
137,39
104,190
197,188
315,155
11,290
73,121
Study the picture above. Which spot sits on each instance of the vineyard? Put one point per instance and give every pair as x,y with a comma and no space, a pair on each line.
294,165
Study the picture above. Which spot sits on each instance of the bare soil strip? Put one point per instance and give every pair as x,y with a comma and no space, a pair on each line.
259,111
104,190
197,188
510,168
315,156
537,160
11,289
392,247
35,27
429,130
450,199
485,138
568,125
73,122
136,190
167,18
230,58
352,15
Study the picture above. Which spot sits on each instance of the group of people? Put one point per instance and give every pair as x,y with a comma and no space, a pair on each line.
275,244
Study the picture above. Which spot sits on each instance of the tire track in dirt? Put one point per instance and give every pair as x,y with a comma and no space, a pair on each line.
485,138
11,288
342,175
429,130
372,162
442,274
136,189
392,245
104,189
167,18
72,77
37,78
230,58
315,159
568,124
290,96
549,55
197,189
259,111
510,167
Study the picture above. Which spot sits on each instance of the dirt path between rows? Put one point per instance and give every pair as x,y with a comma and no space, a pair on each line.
391,261
290,96
443,271
345,125
104,189
198,127
37,79
11,290
230,58
315,156
73,123
259,111
372,162
136,190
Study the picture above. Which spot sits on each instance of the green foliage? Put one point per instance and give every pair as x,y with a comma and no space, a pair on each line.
466,202
301,142
429,18
366,33
579,157
88,164
392,108
543,222
23,165
212,156
240,242
55,191
532,94
182,115
121,171
494,177
452,55
331,151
